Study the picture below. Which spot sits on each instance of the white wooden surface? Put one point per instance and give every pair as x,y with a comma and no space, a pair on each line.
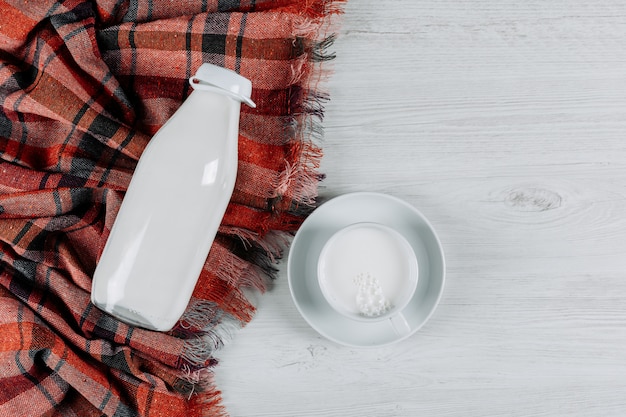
504,122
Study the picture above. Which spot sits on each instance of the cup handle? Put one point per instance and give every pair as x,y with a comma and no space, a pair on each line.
399,324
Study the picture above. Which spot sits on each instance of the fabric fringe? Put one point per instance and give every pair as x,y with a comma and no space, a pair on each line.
262,252
208,328
199,388
320,50
236,271
298,181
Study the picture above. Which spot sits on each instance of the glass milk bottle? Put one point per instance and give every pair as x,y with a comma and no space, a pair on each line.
173,206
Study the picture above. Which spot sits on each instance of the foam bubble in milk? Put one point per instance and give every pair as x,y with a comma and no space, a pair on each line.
370,299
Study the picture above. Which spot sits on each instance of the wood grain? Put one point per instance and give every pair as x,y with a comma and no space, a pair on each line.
504,122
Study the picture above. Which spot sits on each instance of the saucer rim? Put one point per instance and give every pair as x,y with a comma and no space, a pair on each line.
313,219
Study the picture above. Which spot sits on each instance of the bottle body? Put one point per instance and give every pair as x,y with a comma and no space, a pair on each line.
170,214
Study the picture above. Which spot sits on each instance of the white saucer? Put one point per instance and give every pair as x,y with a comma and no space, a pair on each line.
343,211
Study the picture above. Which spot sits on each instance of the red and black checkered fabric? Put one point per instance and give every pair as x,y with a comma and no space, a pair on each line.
83,87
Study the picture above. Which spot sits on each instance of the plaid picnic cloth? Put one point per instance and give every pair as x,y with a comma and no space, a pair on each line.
83,87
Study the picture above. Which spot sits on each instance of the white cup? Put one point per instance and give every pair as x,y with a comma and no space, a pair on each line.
368,272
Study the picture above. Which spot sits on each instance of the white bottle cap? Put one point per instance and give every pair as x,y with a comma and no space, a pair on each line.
210,77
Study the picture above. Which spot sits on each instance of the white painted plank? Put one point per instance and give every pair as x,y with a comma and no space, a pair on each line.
504,122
